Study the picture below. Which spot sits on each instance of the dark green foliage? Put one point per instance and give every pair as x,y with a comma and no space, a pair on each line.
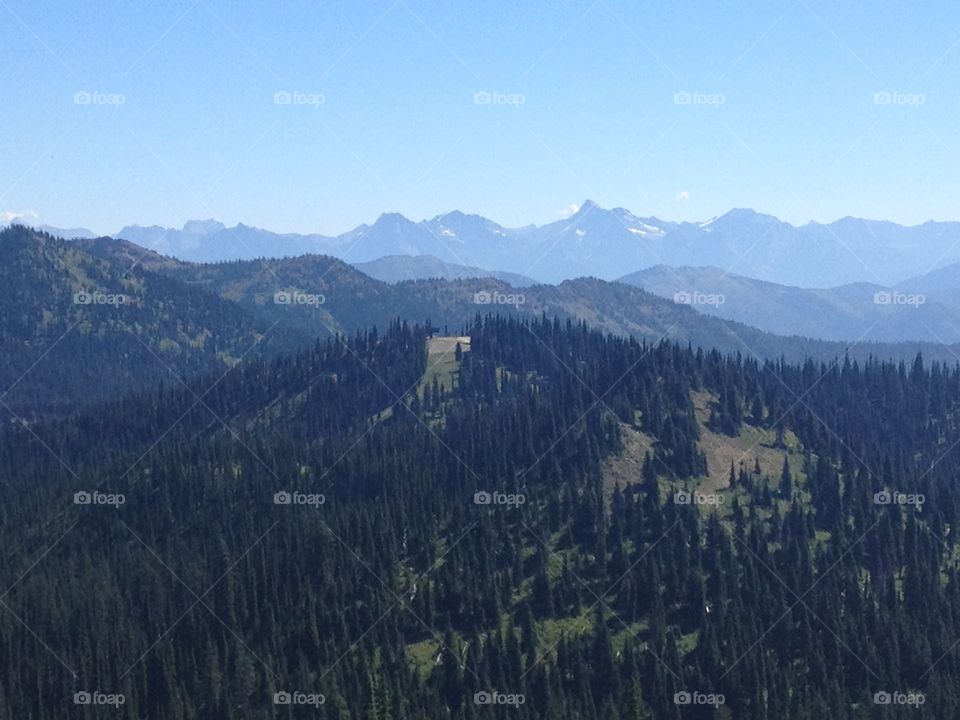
400,597
150,329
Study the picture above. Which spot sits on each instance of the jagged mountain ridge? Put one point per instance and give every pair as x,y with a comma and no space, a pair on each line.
602,243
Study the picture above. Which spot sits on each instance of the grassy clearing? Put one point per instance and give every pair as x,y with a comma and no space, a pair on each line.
752,444
423,655
625,469
442,362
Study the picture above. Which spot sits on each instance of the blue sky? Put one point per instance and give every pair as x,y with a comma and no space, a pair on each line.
155,113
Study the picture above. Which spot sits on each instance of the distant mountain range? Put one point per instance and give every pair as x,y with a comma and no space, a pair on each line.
31,221
601,243
924,308
353,300
399,268
594,242
799,279
106,315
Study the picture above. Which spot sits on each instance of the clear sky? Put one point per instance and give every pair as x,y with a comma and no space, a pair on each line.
181,116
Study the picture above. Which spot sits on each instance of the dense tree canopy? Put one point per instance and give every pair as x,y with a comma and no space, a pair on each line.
449,539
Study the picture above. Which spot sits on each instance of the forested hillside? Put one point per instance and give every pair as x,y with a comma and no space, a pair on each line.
78,329
347,301
387,532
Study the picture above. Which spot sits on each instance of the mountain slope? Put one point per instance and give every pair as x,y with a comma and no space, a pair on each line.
70,233
77,328
849,312
941,284
633,312
365,537
397,268
212,241
353,301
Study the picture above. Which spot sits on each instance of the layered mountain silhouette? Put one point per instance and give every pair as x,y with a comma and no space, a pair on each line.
397,268
602,243
85,320
925,308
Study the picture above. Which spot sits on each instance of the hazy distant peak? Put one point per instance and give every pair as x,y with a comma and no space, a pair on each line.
203,227
750,215
605,243
453,215
393,217
459,218
30,220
